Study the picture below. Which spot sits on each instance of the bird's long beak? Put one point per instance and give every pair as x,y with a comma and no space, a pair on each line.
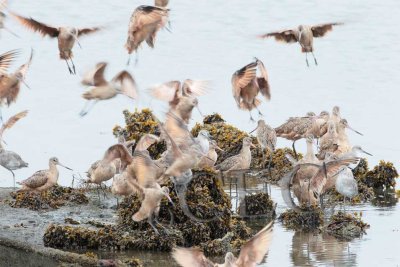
77,41
169,199
365,152
68,168
23,81
337,173
201,114
252,145
220,149
253,130
354,130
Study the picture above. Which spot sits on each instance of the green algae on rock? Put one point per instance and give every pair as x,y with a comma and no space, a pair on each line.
310,218
258,204
346,226
138,124
55,197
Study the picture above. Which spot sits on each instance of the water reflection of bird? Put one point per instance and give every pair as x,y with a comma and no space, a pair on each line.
304,35
144,24
67,36
101,89
251,253
246,85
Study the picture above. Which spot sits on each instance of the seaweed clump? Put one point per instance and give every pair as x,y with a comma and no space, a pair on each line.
308,219
138,124
382,176
346,226
54,198
259,204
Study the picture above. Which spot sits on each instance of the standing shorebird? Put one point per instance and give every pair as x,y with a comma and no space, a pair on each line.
10,84
103,170
240,161
266,138
246,85
44,179
251,253
346,185
9,159
144,24
67,36
304,35
209,160
296,128
329,142
343,142
101,89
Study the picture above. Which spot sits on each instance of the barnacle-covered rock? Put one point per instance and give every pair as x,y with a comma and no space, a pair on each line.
258,204
383,175
361,169
310,218
55,197
346,226
138,124
219,246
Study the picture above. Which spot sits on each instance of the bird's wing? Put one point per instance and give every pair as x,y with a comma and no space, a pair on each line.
191,257
253,252
85,31
242,78
262,81
118,151
169,91
195,87
37,26
7,58
38,179
11,121
321,29
145,15
128,84
95,77
24,68
288,36
327,170
228,164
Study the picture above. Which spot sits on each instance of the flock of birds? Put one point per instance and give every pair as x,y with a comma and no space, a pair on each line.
134,171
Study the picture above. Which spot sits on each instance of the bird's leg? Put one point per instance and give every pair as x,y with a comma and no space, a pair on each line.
251,117
294,150
172,220
1,116
83,112
315,60
150,221
11,32
84,109
136,59
13,174
69,68
344,205
270,171
73,65
308,65
259,112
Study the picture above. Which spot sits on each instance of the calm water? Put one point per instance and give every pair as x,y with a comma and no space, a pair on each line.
358,67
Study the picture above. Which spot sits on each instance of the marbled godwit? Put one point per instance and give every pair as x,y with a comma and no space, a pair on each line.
240,161
296,128
67,36
304,34
103,170
122,83
346,185
266,137
44,179
151,203
10,84
9,159
144,25
212,156
344,145
127,144
246,85
329,142
251,253
161,3
320,127
336,117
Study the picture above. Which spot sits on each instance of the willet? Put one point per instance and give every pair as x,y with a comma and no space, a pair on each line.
144,24
251,253
203,139
246,85
67,36
304,35
346,185
212,156
150,206
122,83
9,159
42,180
10,84
240,161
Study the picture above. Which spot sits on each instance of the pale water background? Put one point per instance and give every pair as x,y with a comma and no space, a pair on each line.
358,70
